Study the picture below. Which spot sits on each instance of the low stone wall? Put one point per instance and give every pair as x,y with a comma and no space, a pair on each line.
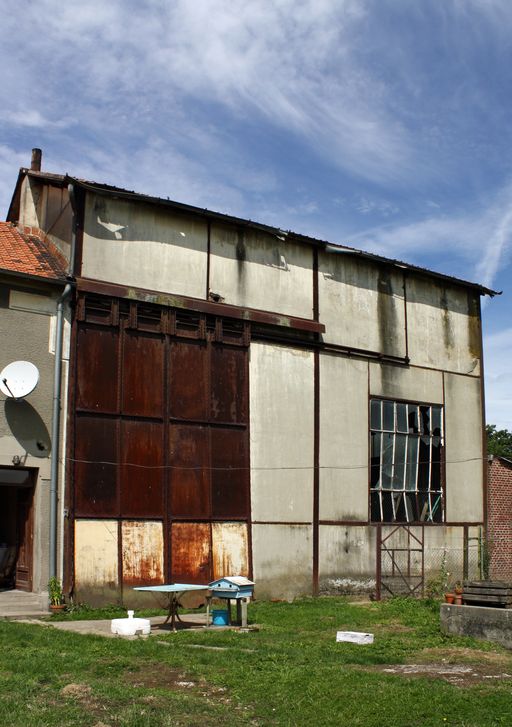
491,624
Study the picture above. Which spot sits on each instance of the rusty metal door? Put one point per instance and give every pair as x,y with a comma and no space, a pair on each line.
400,561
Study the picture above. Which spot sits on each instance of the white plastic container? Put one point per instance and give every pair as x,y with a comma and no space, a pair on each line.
130,626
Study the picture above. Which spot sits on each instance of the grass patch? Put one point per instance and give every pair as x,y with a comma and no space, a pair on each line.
290,672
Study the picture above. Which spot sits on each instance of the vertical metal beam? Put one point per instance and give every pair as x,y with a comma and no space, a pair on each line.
378,561
316,437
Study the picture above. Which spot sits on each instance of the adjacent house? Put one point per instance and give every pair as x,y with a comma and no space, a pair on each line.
32,277
499,529
247,400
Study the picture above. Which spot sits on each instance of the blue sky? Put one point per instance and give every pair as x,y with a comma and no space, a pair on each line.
384,124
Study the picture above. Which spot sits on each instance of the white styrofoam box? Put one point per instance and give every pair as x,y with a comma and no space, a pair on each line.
354,637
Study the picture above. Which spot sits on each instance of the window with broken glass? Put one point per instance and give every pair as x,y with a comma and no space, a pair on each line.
405,470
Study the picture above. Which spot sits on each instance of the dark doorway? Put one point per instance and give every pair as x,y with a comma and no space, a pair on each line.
16,528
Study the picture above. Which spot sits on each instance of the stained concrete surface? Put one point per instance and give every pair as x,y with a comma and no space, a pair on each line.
17,604
481,622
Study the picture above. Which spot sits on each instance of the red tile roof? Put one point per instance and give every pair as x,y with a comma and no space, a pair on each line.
29,253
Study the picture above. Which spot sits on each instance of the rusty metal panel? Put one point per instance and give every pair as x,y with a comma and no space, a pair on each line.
95,466
188,387
142,552
189,481
190,552
96,369
142,472
229,400
229,549
230,462
143,366
96,554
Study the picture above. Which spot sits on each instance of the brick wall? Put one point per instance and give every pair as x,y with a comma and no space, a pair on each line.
500,517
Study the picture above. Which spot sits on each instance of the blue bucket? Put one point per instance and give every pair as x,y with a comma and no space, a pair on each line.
220,617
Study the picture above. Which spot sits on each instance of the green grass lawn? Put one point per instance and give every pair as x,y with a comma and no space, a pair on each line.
289,672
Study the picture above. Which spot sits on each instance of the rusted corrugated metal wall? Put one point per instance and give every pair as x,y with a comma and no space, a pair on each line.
161,445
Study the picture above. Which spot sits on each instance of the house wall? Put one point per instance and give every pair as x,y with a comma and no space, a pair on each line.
499,527
27,314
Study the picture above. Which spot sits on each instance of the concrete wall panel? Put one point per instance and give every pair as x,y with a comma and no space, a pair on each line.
443,326
229,550
463,439
96,551
409,384
343,438
257,270
347,558
361,304
142,552
144,246
282,560
281,426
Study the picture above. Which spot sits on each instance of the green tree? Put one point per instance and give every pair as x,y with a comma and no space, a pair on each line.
499,441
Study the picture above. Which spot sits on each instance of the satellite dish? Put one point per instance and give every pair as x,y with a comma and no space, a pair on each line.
18,379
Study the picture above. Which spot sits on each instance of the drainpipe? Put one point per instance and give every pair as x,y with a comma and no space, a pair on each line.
59,335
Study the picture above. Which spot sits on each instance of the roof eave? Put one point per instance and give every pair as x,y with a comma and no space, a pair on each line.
63,180
56,281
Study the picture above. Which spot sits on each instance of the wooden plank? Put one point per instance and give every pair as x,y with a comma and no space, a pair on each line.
501,600
488,592
487,584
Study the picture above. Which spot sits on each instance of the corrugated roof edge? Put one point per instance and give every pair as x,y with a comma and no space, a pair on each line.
64,179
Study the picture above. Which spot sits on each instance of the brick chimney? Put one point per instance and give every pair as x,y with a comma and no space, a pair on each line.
35,162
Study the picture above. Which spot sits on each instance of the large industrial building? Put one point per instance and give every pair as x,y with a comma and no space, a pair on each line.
240,400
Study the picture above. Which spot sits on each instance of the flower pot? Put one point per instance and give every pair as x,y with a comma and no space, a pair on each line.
57,607
458,599
449,597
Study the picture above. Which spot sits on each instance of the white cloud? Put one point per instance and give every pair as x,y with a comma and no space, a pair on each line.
498,375
292,63
480,238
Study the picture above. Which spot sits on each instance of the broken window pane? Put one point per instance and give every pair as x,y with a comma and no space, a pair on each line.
406,466
387,461
412,414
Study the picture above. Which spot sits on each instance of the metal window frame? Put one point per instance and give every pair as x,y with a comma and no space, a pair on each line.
400,496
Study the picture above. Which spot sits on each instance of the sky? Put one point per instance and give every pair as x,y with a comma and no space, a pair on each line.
381,124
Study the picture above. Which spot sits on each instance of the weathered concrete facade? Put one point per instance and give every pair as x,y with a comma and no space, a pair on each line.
230,393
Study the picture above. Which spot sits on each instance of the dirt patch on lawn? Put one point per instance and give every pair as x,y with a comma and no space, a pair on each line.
474,656
458,674
159,676
462,667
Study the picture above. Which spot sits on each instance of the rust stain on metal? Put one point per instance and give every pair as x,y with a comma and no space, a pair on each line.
142,445
142,548
188,390
143,363
190,552
96,370
95,469
189,481
230,473
230,551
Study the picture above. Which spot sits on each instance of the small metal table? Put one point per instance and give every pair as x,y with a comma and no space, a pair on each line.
175,591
